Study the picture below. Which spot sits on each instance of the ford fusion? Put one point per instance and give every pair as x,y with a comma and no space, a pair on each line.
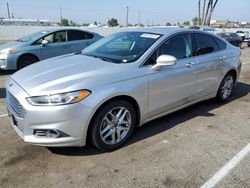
117,83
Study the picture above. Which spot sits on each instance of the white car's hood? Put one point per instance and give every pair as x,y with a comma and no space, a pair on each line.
69,73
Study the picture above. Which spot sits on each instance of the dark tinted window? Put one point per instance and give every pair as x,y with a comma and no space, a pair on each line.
206,44
221,44
178,46
79,35
235,35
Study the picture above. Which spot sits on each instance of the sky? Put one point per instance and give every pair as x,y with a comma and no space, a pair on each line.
150,11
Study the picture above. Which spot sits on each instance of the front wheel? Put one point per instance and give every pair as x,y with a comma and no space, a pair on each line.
113,125
25,61
226,87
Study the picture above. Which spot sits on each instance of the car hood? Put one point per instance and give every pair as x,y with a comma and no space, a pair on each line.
70,73
12,44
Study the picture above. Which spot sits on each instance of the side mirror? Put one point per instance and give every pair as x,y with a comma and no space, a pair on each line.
164,60
44,42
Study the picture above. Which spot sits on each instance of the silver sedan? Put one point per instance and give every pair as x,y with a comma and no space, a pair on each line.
124,80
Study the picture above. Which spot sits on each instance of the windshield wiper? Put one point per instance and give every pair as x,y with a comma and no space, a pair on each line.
104,59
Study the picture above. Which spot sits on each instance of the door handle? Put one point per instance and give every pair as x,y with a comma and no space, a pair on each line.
222,58
189,64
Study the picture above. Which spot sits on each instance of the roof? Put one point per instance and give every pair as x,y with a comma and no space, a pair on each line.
162,31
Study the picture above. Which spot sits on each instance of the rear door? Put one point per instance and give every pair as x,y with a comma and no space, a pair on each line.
78,40
210,55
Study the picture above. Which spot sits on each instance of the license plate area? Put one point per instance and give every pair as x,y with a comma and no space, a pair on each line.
14,121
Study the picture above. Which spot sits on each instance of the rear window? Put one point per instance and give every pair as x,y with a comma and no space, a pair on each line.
79,35
206,44
222,45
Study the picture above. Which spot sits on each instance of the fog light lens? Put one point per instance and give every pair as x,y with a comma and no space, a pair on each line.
52,134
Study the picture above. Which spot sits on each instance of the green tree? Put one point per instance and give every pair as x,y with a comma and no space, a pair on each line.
64,22
168,24
113,22
195,21
186,23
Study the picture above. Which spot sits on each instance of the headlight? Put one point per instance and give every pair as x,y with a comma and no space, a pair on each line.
7,51
59,99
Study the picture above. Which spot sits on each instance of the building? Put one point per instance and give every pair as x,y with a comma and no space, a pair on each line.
24,22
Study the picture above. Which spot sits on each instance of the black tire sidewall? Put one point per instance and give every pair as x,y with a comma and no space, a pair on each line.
96,123
22,62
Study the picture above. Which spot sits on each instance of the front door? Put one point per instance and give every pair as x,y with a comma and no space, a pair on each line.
173,86
57,45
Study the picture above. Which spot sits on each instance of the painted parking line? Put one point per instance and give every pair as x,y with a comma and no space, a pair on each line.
227,168
4,115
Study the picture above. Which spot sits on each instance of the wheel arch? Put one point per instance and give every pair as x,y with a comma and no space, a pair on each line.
234,72
128,98
27,54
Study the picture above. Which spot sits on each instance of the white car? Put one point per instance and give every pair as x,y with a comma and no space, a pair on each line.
117,83
243,34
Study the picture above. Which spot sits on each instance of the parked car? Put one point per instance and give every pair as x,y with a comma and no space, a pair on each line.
203,28
117,83
43,45
243,35
247,37
233,38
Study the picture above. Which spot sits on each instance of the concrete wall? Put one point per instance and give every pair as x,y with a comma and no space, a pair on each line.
14,32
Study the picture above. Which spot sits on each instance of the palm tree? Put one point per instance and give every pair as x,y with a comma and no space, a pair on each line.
203,12
209,11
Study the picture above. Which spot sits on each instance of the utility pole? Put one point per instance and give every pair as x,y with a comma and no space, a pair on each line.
60,14
127,16
8,9
139,18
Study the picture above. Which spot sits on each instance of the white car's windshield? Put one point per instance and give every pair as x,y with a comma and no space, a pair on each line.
122,47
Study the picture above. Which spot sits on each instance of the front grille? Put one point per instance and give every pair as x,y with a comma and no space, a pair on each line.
15,105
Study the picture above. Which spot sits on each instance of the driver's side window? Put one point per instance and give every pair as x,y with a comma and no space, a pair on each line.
179,46
53,38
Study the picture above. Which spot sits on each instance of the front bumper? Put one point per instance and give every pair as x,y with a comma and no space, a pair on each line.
72,120
8,61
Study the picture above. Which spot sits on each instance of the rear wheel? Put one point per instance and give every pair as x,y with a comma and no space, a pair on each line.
25,61
226,87
113,125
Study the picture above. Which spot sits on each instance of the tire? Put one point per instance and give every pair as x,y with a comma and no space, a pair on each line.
240,45
105,128
25,61
226,87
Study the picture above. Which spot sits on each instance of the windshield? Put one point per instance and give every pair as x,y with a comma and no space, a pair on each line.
223,35
122,47
33,36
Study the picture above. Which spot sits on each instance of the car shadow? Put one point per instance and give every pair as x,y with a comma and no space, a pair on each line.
162,124
6,72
